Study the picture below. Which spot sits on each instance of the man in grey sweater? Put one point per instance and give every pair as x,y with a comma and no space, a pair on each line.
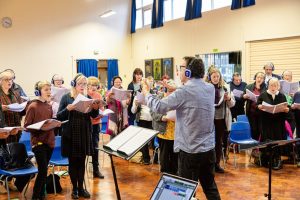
194,131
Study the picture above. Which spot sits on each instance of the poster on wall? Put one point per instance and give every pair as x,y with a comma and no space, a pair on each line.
167,68
157,69
148,68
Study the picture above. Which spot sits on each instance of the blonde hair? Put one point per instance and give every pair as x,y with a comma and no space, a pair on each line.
5,75
40,84
212,70
92,80
79,77
274,80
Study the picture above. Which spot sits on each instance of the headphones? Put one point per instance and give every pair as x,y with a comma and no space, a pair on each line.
114,78
188,71
235,74
52,80
10,70
257,74
73,82
37,92
271,65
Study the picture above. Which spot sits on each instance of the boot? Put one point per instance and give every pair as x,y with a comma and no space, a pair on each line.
98,174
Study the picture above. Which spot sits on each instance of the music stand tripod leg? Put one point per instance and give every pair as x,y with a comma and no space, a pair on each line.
115,178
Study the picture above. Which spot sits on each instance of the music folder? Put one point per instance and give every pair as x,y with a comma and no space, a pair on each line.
129,142
268,143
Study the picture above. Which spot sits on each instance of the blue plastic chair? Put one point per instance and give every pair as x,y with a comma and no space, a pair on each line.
242,118
103,127
57,159
156,150
240,134
25,139
15,173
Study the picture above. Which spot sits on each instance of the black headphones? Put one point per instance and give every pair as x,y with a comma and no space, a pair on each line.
10,70
52,80
257,74
74,81
37,92
188,71
114,78
235,74
271,65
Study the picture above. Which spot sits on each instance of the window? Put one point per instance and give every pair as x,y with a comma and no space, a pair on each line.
139,19
147,17
167,10
179,7
221,3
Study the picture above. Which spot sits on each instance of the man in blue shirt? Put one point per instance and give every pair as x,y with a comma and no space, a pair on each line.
194,131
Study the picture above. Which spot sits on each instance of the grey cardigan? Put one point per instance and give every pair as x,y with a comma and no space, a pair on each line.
157,124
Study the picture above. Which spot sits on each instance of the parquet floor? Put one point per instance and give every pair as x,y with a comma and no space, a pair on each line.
137,182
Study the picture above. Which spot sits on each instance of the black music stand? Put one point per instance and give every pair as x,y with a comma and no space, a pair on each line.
127,139
270,147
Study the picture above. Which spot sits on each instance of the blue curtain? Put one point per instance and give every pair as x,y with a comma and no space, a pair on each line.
197,5
133,16
236,4
160,14
153,23
247,3
88,67
188,11
112,70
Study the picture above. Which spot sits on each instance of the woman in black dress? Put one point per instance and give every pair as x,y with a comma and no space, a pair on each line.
76,134
272,125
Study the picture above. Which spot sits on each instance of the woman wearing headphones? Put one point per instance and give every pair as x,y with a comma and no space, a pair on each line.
252,113
118,120
224,100
76,134
42,142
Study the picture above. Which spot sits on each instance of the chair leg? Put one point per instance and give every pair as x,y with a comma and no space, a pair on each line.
54,186
7,188
234,155
223,155
24,194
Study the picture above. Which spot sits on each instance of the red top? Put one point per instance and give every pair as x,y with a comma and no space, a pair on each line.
95,95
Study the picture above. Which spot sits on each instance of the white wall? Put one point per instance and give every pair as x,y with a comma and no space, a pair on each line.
48,35
223,29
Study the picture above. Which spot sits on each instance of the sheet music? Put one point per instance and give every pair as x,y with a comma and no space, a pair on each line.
141,98
122,138
16,107
274,108
171,115
288,87
237,93
46,125
10,129
135,142
220,101
121,94
25,98
82,104
57,93
251,95
105,112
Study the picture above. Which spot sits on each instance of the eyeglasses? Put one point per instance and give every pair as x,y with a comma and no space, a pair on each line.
82,84
8,79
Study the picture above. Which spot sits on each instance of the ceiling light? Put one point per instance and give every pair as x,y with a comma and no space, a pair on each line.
107,14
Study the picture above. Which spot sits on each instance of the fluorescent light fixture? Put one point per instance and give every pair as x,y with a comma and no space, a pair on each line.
107,13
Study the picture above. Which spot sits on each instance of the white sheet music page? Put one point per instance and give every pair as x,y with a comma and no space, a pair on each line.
123,137
121,94
57,93
16,107
82,103
251,95
135,142
45,125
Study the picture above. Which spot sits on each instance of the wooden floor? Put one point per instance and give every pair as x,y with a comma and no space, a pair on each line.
136,181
